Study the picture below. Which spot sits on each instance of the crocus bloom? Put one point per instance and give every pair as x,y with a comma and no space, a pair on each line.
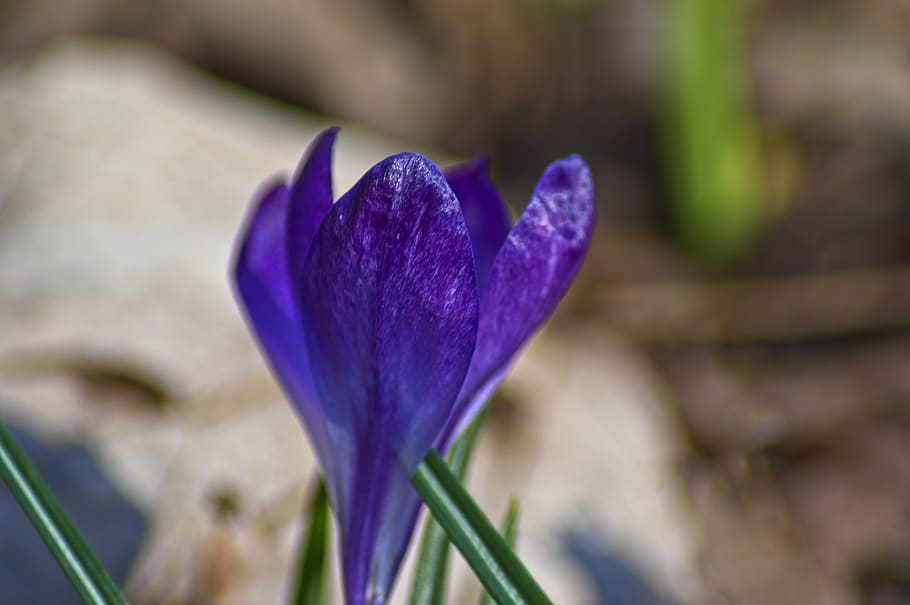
391,315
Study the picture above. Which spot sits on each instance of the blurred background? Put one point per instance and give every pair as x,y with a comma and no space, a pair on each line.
718,413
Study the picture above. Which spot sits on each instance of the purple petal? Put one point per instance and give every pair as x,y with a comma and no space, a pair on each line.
531,273
486,215
389,308
260,267
261,275
311,198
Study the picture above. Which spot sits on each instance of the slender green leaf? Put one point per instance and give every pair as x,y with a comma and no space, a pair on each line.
310,586
710,133
431,575
75,558
496,566
509,531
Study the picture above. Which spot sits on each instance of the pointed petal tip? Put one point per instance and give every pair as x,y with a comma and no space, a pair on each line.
328,135
411,172
317,156
261,223
481,164
572,172
478,166
574,167
311,198
257,272
415,160
566,191
487,217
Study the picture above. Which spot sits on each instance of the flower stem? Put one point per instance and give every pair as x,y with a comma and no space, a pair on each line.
503,575
509,533
311,567
431,574
73,555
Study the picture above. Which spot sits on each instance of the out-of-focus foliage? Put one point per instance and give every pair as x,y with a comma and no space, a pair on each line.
310,583
710,138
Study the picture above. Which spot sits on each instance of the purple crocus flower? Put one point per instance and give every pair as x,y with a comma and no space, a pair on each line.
390,316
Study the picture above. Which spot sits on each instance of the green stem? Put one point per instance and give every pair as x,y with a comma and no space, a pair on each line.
75,558
312,562
509,533
431,575
503,575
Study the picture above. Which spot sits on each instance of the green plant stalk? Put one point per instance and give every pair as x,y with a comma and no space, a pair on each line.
430,578
503,575
710,132
509,531
310,583
431,575
73,555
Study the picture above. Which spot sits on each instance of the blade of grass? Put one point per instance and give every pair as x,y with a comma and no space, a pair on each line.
711,134
431,575
509,531
310,587
75,558
503,575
